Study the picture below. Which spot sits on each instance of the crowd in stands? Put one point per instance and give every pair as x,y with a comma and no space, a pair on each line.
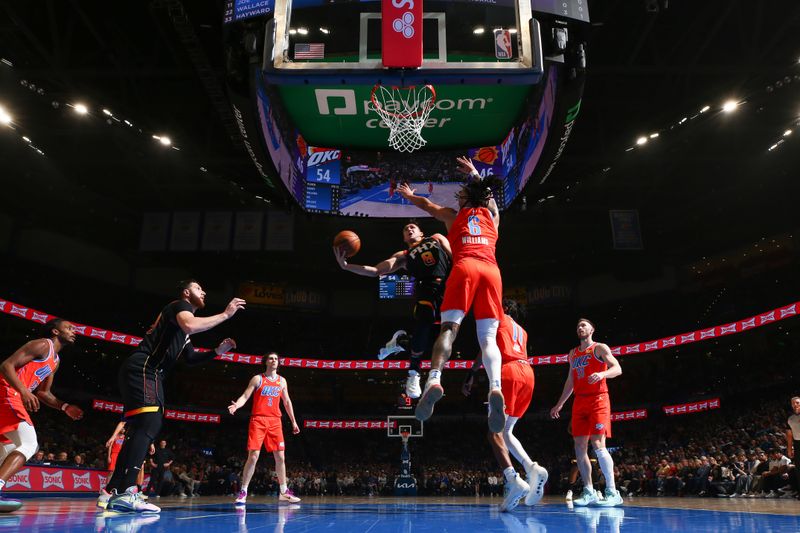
734,452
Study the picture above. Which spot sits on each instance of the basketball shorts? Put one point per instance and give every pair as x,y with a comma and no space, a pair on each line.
517,383
12,413
477,285
265,431
140,388
591,415
113,462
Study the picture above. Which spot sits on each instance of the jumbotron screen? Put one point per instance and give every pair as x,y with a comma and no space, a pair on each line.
364,182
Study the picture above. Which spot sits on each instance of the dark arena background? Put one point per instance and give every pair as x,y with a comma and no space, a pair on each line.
643,156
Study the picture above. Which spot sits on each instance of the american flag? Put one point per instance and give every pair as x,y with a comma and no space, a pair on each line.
309,50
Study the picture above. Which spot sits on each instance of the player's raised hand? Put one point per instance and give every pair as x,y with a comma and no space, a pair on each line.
225,346
234,305
339,252
405,190
465,165
232,407
554,412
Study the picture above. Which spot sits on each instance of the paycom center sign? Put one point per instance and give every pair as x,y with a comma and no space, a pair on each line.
463,115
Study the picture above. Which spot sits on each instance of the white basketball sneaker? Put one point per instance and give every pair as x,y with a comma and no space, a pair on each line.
517,489
587,497
413,390
537,477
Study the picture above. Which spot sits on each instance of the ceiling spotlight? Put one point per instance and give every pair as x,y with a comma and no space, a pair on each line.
166,141
107,112
641,140
479,30
730,106
302,31
705,108
787,133
326,31
653,135
26,139
80,109
5,118
292,31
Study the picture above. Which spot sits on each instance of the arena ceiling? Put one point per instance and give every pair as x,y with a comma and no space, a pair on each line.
704,185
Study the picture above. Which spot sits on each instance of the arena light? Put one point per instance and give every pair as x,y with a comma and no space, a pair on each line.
6,62
326,31
641,140
653,135
163,139
292,31
681,121
26,139
5,118
479,30
787,133
80,109
302,31
107,112
705,108
730,106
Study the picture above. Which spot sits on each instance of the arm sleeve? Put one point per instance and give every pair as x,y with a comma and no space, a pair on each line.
194,357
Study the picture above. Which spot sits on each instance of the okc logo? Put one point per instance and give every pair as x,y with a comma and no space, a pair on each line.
404,25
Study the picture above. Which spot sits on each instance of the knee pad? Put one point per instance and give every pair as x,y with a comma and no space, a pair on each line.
24,439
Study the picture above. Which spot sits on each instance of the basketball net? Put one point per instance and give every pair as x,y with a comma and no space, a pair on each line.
404,110
405,435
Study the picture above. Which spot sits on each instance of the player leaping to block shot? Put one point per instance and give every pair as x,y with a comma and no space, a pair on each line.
428,260
474,283
590,365
265,426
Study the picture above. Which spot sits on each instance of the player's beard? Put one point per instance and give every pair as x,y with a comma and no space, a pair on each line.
196,301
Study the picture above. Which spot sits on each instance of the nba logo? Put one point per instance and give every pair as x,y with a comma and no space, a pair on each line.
502,44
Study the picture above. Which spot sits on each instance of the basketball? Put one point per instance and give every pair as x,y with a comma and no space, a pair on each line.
347,241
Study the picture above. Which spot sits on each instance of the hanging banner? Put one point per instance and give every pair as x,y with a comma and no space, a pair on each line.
690,408
763,319
347,424
171,414
622,416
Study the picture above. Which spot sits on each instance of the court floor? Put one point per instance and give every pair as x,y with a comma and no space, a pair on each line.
409,515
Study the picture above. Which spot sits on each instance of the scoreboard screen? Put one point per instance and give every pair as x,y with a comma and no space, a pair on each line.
392,286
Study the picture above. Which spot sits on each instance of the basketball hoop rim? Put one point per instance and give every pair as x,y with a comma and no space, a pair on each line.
416,114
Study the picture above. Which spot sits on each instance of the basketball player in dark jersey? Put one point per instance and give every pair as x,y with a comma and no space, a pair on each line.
141,383
428,260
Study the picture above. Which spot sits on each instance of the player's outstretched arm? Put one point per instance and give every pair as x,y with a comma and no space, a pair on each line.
248,391
614,368
191,324
287,404
196,357
565,394
440,213
387,266
443,242
46,396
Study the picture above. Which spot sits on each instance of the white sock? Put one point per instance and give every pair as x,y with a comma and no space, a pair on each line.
284,488
434,376
510,474
514,445
606,466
